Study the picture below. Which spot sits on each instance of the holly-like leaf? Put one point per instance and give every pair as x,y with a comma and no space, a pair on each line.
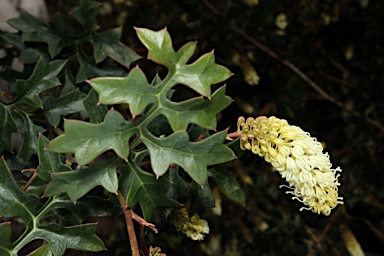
89,140
69,103
30,133
7,127
199,111
86,14
5,238
35,30
228,184
42,78
14,203
200,195
194,157
133,89
43,250
81,237
96,112
49,161
107,44
199,75
148,191
77,183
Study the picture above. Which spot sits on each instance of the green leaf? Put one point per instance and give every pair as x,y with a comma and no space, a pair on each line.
14,203
107,44
88,69
148,191
7,127
5,238
69,103
81,237
88,140
199,75
49,162
194,157
228,184
35,30
178,184
43,250
42,78
96,112
86,14
200,195
199,111
133,89
30,133
77,183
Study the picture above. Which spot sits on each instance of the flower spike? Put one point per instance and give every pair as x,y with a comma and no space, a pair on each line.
297,156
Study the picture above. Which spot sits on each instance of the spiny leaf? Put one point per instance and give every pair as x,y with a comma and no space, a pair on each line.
88,140
30,133
43,250
228,184
133,89
5,238
35,30
42,78
199,75
49,162
86,14
96,112
107,44
77,183
69,103
194,157
197,110
145,189
81,237
7,127
14,203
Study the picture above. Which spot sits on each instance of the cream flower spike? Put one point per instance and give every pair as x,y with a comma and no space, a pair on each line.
297,156
193,227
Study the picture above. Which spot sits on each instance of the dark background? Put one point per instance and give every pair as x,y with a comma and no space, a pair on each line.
324,73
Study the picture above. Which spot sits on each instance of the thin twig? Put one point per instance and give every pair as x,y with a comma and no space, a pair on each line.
294,68
129,222
31,179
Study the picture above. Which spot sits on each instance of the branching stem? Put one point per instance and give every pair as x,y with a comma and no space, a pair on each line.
129,223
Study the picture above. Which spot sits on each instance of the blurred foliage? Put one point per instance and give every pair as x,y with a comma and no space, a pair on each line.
337,46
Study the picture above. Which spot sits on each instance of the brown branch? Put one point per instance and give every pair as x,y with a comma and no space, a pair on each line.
31,179
129,222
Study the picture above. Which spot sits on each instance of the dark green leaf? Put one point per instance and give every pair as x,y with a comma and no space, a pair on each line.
228,184
107,44
148,191
194,157
7,127
86,14
178,185
88,140
35,30
42,78
77,183
133,89
96,112
30,133
88,70
5,238
60,239
69,103
200,195
49,162
43,250
14,203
